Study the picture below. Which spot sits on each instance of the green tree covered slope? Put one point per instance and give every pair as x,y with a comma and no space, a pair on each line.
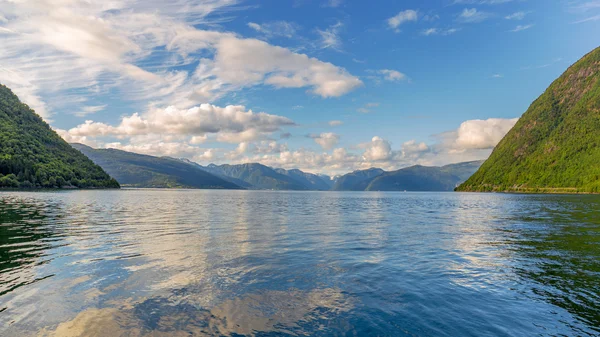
32,155
555,146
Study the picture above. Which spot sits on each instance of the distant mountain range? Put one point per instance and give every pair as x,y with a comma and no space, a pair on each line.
414,178
137,170
258,176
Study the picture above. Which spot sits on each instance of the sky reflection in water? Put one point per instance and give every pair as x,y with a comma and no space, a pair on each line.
171,263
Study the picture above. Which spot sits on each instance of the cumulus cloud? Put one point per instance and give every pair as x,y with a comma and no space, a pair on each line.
378,149
232,124
404,16
482,134
326,140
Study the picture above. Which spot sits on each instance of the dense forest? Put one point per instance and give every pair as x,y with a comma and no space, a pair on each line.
555,145
32,155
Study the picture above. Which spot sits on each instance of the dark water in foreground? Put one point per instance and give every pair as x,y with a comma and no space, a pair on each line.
181,263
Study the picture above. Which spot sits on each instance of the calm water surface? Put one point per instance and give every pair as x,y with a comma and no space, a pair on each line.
230,263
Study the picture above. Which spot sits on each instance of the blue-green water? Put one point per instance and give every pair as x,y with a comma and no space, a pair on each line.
191,262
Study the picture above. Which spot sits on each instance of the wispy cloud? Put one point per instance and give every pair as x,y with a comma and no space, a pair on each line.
438,31
275,28
405,16
545,65
329,38
472,15
591,18
88,110
516,16
520,28
367,108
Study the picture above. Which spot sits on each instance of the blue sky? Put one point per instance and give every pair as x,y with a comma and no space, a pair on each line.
325,86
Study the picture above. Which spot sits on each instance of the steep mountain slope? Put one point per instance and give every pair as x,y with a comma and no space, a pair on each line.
33,155
136,170
555,145
423,178
309,180
257,175
357,180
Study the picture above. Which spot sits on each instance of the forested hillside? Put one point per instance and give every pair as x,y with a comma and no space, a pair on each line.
32,155
555,145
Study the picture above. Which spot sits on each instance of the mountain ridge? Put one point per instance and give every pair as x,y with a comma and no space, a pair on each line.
139,170
32,155
555,145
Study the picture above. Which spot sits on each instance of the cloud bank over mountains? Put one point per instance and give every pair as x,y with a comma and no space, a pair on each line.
174,60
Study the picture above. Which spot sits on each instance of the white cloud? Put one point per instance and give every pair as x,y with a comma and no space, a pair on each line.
472,15
326,140
329,38
497,76
438,31
51,49
335,123
521,28
88,110
482,134
592,18
516,16
378,149
392,75
402,17
248,61
231,123
367,108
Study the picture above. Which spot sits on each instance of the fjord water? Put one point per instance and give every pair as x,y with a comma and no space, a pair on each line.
197,262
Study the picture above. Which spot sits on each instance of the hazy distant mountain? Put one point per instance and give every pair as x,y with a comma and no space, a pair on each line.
258,176
357,180
555,145
424,178
414,178
309,180
136,170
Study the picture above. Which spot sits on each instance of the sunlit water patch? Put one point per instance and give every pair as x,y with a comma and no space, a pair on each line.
230,263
